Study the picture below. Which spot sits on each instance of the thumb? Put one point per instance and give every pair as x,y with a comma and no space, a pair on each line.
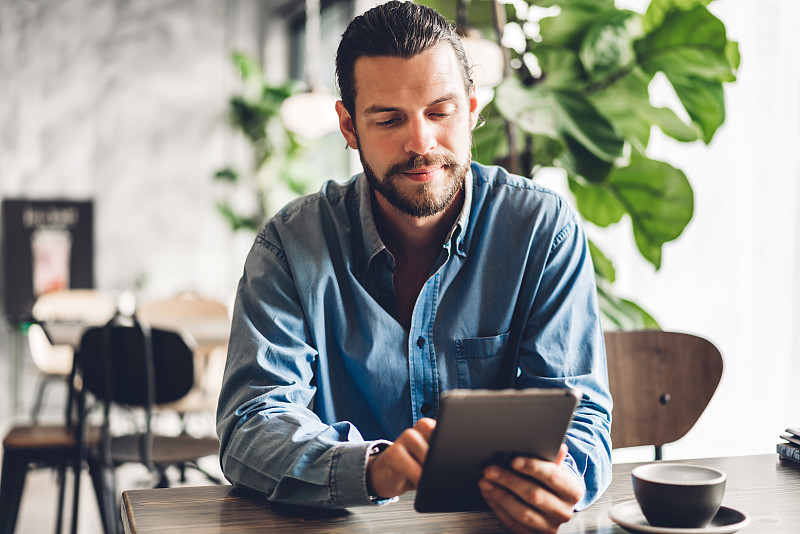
562,454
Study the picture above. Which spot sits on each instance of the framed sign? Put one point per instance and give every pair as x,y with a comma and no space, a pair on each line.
47,245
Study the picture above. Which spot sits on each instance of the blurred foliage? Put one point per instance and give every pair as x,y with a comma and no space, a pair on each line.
578,98
255,113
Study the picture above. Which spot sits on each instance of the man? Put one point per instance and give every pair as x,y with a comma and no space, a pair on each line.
359,305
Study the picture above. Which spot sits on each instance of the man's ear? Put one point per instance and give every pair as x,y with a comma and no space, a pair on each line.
473,108
346,125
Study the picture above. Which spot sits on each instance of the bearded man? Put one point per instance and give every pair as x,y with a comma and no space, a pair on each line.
361,304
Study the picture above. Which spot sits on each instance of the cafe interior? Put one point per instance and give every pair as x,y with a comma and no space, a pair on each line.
132,189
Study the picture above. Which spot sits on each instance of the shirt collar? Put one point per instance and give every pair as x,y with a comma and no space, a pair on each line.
371,244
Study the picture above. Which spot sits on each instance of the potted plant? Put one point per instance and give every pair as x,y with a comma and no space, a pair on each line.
577,96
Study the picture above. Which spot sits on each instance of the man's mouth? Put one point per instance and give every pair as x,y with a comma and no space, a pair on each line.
424,174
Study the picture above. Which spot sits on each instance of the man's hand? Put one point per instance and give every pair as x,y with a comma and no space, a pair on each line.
397,469
537,502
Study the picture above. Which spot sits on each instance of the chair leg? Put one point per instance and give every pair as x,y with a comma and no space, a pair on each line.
12,482
105,491
209,476
77,467
38,400
163,479
62,485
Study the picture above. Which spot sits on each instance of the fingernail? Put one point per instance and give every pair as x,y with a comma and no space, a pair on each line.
518,463
491,473
486,487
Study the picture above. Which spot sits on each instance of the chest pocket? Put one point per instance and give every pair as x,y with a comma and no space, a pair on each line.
479,359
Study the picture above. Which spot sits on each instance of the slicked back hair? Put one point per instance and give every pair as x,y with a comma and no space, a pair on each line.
394,29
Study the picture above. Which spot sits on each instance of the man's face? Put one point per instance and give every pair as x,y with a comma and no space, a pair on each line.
412,128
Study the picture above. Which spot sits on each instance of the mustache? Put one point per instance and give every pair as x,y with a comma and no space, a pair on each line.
422,161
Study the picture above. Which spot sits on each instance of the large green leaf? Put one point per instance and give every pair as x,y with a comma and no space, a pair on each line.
545,151
577,160
732,53
568,27
577,118
561,67
596,203
490,141
626,103
528,107
559,114
603,267
687,43
704,100
622,314
607,46
658,198
671,124
657,9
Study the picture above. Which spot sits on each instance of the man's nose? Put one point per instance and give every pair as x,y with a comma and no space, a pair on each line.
420,136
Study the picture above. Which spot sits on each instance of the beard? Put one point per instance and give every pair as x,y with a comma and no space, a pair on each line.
425,199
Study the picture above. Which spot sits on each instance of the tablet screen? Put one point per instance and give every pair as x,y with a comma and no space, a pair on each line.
479,427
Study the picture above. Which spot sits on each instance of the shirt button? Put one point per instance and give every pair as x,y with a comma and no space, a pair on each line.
426,409
420,341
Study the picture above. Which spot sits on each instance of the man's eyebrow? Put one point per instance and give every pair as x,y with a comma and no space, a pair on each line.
372,110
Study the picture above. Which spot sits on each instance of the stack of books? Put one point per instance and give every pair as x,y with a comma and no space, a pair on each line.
790,449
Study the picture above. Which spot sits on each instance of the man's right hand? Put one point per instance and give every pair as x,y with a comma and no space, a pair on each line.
398,468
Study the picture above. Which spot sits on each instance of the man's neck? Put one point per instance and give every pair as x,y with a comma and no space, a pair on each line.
415,244
408,236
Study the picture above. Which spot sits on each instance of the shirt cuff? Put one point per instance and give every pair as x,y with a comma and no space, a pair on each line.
573,468
349,474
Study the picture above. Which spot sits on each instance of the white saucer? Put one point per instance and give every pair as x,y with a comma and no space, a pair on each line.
629,516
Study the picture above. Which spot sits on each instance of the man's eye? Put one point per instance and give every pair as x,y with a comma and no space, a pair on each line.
388,122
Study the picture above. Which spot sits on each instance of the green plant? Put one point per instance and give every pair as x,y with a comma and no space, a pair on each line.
578,98
276,152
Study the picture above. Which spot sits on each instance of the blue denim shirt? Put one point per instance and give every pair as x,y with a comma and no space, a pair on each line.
318,368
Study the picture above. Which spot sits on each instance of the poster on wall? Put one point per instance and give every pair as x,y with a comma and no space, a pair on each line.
47,246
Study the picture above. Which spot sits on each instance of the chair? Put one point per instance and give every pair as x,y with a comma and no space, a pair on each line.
76,308
206,321
661,383
54,363
28,446
127,363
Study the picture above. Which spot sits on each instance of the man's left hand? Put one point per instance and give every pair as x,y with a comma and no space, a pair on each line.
539,501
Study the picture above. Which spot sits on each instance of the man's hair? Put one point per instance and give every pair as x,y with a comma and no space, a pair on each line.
395,29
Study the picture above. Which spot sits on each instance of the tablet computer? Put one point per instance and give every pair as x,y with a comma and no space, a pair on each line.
480,427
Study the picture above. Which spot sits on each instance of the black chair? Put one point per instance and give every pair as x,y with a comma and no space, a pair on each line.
127,363
52,446
36,446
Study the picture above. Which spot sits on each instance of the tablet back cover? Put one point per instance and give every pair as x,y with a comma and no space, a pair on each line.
479,427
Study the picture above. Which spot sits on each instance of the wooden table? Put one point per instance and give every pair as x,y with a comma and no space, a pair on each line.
765,488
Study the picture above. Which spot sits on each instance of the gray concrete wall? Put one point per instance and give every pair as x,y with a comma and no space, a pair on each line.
123,102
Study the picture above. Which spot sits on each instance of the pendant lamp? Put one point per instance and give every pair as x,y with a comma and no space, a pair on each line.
311,114
486,57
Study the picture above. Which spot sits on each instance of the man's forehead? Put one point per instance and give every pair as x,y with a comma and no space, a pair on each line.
434,71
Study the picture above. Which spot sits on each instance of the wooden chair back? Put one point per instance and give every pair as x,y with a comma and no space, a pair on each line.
86,306
661,383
